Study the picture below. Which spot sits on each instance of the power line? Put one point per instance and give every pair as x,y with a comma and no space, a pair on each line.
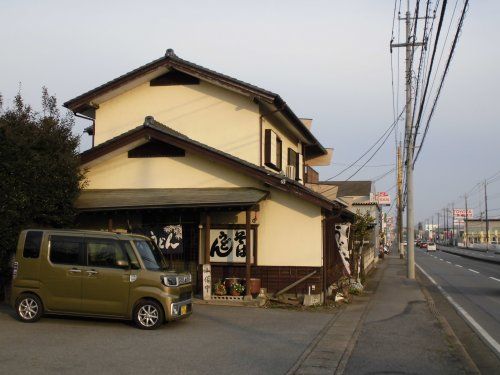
453,46
438,33
387,131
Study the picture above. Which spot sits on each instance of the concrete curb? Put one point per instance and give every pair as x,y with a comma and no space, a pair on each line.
470,256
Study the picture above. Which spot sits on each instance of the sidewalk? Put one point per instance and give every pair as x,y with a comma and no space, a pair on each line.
389,329
491,257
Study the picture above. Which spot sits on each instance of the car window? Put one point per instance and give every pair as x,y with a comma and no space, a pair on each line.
32,244
105,253
66,250
152,258
134,262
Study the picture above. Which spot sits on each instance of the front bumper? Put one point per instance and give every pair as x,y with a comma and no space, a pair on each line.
180,310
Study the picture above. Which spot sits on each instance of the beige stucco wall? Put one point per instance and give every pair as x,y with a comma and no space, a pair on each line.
190,171
289,233
207,113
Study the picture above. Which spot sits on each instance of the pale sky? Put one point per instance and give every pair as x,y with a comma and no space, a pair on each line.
329,60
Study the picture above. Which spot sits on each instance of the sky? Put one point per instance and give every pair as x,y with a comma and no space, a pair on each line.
329,60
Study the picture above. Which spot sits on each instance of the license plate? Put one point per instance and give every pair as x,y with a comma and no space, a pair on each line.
184,309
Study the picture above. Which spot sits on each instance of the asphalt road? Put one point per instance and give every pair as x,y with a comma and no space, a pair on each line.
473,284
215,340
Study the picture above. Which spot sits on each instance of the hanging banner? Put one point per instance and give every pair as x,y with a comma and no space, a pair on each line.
167,238
342,239
229,245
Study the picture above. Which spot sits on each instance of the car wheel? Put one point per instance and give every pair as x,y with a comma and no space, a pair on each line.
148,314
29,308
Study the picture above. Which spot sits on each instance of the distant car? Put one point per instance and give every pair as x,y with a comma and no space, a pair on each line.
431,246
423,245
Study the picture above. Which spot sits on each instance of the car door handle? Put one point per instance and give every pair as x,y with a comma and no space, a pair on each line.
74,270
92,272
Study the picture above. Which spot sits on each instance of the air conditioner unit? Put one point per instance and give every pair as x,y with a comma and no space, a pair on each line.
290,171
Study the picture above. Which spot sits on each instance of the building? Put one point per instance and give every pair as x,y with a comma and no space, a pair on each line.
197,160
359,196
476,231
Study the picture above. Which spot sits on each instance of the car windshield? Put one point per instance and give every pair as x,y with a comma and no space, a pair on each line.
151,256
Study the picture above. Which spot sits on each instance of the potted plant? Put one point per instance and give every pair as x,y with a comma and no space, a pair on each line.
237,289
220,289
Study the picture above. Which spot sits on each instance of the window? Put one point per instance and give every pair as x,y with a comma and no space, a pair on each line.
295,159
66,250
272,150
151,256
105,253
32,244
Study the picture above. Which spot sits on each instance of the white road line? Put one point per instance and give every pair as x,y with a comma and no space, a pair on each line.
471,270
441,259
480,330
458,265
448,262
494,278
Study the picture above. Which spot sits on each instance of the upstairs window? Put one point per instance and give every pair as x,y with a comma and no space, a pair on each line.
296,160
272,150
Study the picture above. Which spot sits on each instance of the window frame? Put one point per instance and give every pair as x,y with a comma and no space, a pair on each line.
269,134
39,244
77,239
104,240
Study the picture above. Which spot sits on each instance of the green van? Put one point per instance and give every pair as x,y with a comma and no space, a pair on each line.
101,274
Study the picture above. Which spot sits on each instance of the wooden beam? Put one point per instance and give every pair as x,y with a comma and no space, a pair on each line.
249,250
207,238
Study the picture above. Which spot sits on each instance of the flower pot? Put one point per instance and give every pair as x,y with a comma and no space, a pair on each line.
234,293
255,285
230,281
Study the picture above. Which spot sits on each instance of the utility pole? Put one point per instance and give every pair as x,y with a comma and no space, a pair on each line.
486,213
453,233
432,227
400,202
438,227
466,238
410,230
445,219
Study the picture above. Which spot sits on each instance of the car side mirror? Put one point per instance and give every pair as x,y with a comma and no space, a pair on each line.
122,263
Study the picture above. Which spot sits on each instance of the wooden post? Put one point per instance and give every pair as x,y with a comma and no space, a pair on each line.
249,246
110,224
206,269
207,238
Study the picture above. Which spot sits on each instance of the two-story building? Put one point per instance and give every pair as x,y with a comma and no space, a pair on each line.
197,160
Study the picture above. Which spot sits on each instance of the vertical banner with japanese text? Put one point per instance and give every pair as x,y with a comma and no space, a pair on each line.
229,245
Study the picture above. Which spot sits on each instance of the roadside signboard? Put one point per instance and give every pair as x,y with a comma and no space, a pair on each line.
383,198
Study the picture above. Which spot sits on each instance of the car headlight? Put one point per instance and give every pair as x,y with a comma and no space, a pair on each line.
170,280
176,280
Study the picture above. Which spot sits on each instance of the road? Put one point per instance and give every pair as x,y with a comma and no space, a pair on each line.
473,285
215,340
